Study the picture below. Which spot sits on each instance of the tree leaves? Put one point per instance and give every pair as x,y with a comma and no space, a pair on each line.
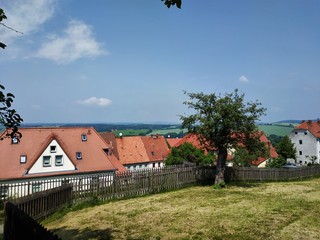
170,3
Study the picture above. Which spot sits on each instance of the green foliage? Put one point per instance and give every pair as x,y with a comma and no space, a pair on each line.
243,158
219,185
275,139
223,122
276,162
286,148
9,118
170,3
2,17
187,153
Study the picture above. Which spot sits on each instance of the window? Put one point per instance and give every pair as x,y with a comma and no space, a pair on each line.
295,133
36,187
300,141
159,164
46,161
152,153
84,137
59,160
305,133
53,149
23,159
300,153
79,155
153,165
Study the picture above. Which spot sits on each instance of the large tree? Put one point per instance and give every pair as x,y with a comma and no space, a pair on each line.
224,122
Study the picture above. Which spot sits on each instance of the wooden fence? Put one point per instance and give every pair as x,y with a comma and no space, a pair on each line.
19,225
272,174
39,205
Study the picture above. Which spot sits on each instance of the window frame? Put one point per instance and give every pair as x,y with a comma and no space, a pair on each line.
23,159
44,158
56,160
79,155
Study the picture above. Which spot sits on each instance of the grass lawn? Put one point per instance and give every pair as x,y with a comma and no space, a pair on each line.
287,210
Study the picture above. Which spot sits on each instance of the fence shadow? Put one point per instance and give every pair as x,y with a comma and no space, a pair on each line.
76,234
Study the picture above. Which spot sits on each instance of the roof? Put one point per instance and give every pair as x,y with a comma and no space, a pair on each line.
110,139
193,139
173,141
141,149
312,126
35,140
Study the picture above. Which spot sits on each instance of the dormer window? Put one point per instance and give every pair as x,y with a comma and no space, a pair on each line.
84,137
14,140
78,155
46,161
23,158
59,160
53,149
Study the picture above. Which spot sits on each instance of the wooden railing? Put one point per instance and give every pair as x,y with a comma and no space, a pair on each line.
39,205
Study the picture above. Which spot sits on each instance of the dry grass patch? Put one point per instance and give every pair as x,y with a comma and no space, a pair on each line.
244,211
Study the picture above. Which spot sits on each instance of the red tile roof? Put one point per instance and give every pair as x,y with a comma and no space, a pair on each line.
191,138
173,141
312,126
141,149
35,140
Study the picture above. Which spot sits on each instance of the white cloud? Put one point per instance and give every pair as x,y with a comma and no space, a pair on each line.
94,101
25,17
243,79
76,42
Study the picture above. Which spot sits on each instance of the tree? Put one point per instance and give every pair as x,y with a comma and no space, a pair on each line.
286,148
2,17
224,122
276,162
187,153
243,158
170,3
9,118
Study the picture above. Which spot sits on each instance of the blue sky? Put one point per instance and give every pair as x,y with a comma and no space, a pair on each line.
130,60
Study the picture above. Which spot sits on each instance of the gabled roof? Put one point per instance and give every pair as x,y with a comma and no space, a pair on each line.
173,141
141,149
35,140
312,126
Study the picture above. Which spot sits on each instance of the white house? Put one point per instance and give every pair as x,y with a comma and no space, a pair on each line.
58,154
306,139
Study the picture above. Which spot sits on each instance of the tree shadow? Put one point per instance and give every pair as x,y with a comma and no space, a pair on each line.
76,234
244,184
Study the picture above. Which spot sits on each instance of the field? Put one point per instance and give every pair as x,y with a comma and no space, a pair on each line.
279,130
287,210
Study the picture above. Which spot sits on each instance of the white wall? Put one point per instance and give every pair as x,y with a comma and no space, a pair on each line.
38,167
306,145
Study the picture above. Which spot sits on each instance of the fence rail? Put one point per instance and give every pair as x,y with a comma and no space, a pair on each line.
272,174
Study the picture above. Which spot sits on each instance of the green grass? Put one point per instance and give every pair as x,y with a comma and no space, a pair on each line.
276,129
169,130
287,210
131,132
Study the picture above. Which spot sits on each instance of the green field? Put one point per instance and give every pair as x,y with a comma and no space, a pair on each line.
279,130
282,210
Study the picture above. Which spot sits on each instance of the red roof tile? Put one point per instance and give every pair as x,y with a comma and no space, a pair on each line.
312,126
141,149
35,140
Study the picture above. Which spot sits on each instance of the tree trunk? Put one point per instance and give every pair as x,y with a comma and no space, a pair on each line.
221,166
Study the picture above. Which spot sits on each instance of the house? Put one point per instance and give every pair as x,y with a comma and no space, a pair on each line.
55,153
260,162
139,152
306,139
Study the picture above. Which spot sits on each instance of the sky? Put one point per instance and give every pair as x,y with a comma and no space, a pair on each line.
103,61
